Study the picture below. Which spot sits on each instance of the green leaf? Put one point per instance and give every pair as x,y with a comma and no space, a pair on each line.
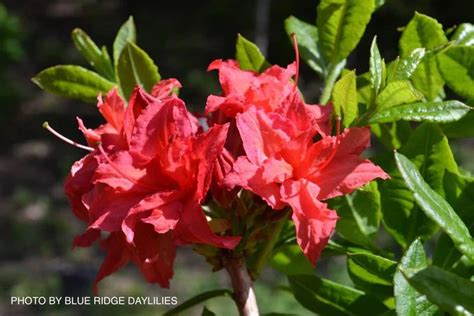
359,215
197,300
407,300
99,59
127,33
307,37
424,32
73,82
460,195
344,96
464,128
464,35
376,68
290,260
341,24
207,312
396,93
451,292
135,67
249,55
325,297
457,68
392,135
408,65
435,207
429,149
441,112
371,273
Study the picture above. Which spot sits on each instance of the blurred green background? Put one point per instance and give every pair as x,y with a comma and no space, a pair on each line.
183,37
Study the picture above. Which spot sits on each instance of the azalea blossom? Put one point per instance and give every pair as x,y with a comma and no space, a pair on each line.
287,168
279,160
144,180
270,91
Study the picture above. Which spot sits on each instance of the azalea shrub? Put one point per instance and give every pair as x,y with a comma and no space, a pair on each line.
263,177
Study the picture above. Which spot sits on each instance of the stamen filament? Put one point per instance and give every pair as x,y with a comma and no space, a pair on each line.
65,139
117,168
334,151
297,53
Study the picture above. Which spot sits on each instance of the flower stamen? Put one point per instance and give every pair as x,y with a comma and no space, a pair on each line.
297,53
65,139
334,151
117,169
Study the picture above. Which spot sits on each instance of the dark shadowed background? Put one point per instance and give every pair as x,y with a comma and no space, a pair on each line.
183,37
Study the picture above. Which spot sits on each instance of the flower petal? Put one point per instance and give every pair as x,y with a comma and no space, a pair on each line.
313,220
347,171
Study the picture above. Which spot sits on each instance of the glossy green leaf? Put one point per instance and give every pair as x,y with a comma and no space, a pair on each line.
441,112
376,67
457,68
341,24
371,273
249,55
198,299
99,59
307,37
459,193
451,292
126,34
408,65
73,82
135,67
424,32
396,93
325,297
290,260
464,35
435,207
408,301
429,149
344,97
359,215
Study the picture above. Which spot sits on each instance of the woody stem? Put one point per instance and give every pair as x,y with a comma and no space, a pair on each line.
244,295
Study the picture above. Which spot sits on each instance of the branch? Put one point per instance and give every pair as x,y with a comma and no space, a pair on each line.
244,295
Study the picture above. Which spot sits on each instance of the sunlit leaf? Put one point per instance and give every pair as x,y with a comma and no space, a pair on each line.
99,59
407,300
435,207
307,37
249,55
424,32
135,67
344,97
341,24
73,82
451,292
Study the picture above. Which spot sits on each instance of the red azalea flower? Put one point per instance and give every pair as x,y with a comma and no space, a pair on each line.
270,91
286,167
144,180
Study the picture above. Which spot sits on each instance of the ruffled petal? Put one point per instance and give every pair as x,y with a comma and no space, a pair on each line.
194,228
117,257
313,220
347,171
